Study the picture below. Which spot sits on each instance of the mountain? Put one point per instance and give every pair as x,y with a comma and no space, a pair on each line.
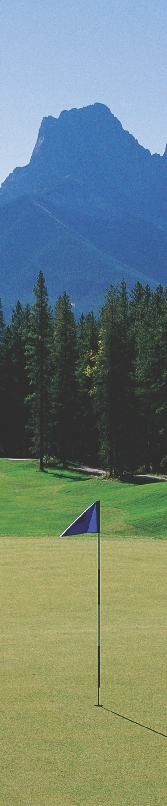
89,209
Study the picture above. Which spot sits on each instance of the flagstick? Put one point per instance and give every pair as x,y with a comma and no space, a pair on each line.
98,621
89,522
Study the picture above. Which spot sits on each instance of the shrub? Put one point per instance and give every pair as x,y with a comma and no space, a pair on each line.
163,464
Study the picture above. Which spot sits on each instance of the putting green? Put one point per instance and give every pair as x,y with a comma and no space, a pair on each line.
58,749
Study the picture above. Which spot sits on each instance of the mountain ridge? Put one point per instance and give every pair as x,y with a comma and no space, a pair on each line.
91,144
89,178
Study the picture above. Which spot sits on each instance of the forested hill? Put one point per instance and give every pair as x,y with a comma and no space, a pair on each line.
94,390
90,207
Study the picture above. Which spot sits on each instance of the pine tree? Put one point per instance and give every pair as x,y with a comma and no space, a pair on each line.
2,407
39,367
135,409
111,379
87,345
15,385
144,364
159,378
64,382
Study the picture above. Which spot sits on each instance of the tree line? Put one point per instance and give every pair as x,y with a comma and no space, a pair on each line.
93,390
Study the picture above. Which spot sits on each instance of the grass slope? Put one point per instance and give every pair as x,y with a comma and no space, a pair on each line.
57,748
43,504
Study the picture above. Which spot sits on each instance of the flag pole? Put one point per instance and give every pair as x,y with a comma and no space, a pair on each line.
88,523
98,622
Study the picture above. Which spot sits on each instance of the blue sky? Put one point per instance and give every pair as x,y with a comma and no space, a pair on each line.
59,54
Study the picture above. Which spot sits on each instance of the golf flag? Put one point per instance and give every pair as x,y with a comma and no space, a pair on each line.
88,521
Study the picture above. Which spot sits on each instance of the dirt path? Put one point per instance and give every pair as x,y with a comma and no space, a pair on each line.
91,471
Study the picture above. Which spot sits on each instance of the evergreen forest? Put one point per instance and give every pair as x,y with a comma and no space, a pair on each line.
93,390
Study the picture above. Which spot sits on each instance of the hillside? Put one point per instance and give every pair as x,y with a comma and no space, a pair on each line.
39,240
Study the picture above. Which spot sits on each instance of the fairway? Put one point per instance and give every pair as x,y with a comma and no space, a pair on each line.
34,504
58,749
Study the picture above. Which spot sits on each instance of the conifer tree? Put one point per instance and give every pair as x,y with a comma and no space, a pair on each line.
2,337
135,410
39,367
159,379
144,362
111,379
15,385
87,345
64,383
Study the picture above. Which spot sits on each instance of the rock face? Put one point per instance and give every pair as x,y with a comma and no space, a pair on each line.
90,208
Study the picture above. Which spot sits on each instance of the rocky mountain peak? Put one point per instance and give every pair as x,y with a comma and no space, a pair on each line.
90,146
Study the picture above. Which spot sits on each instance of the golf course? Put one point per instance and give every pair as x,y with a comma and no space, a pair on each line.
57,747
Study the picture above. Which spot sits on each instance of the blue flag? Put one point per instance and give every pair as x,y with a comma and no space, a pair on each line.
88,521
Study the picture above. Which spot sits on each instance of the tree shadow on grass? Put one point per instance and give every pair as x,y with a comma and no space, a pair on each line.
133,721
67,476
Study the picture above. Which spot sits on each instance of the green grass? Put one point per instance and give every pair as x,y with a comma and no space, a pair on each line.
43,504
58,749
